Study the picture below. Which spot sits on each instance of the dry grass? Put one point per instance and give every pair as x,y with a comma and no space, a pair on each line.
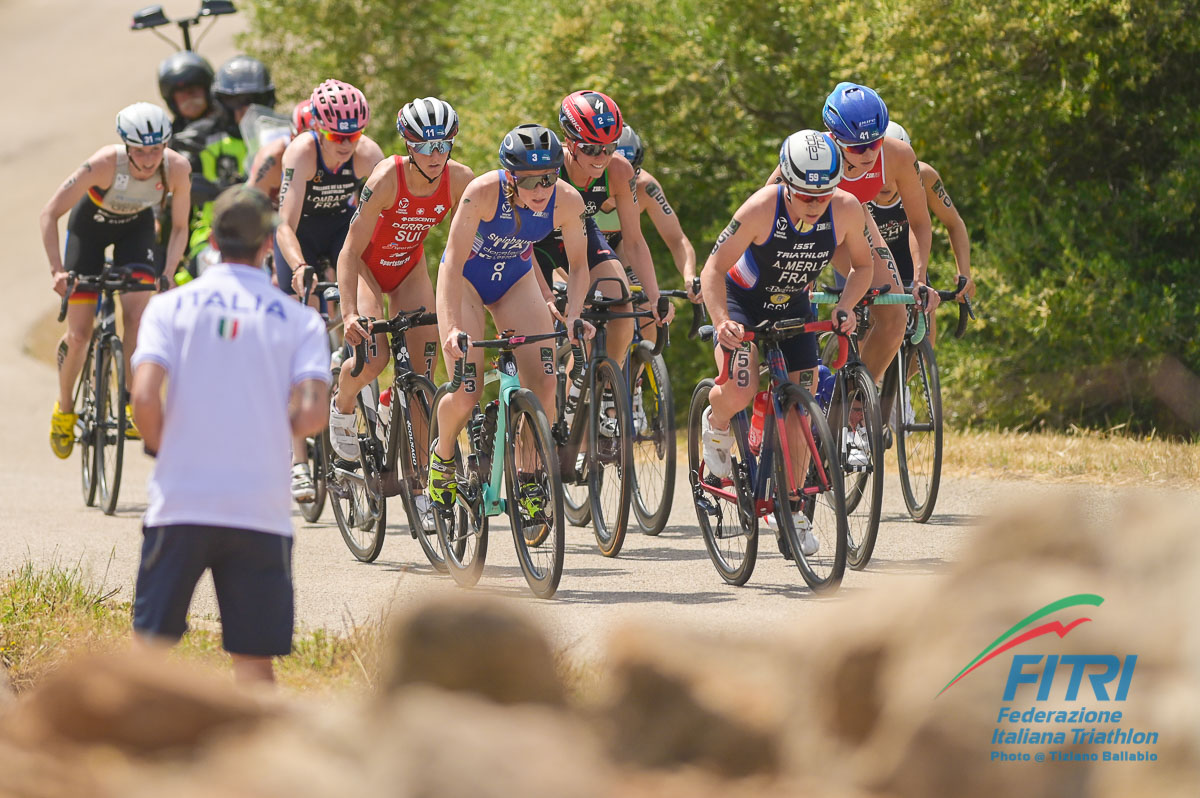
1111,457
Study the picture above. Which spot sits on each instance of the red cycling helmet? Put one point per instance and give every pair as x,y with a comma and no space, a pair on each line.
590,117
302,118
339,107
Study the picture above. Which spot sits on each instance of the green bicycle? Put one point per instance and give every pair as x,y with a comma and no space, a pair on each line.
509,441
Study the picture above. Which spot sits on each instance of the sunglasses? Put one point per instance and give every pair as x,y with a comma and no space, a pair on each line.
340,138
597,149
536,181
430,147
859,149
808,199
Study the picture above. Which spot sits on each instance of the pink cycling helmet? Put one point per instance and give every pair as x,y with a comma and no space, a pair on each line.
339,107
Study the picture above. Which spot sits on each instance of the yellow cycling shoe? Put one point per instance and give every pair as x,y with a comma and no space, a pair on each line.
131,430
62,432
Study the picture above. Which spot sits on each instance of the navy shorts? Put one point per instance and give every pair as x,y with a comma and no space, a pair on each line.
551,254
252,572
320,238
799,351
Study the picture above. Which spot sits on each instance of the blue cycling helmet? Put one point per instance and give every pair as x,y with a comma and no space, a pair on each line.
630,145
530,148
809,161
855,114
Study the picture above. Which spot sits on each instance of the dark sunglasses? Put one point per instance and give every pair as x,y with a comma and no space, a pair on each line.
859,149
536,181
597,149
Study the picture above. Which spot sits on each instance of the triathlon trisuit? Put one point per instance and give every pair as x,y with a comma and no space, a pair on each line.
892,221
120,216
503,249
398,241
866,187
770,280
324,218
551,254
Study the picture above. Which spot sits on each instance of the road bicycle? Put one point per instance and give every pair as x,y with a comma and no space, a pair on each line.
794,469
509,441
101,393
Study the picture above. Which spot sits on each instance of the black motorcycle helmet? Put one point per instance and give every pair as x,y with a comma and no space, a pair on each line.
244,77
181,70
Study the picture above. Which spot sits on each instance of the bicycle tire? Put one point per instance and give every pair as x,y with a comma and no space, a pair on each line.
110,423
527,418
462,530
317,447
85,406
822,570
653,439
415,402
863,486
577,502
358,503
919,457
735,563
610,457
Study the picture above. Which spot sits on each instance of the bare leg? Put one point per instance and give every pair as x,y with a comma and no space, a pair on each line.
76,338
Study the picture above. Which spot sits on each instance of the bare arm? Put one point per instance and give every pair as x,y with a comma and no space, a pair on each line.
750,222
299,167
903,164
623,186
367,156
944,208
266,170
378,193
460,177
568,216
851,217
308,407
450,272
667,224
180,176
98,170
146,398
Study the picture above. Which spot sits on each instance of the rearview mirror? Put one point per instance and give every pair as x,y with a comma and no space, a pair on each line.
216,8
150,17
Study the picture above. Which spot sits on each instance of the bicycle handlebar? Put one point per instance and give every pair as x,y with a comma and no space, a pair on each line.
507,342
789,327
118,280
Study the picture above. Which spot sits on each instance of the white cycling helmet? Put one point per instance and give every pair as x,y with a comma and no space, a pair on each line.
809,161
897,131
427,119
143,125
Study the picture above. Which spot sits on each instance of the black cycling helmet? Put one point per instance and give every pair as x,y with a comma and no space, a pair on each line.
530,148
630,145
179,71
243,76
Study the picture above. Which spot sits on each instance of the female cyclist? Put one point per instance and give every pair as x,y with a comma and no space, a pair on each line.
762,267
489,264
111,198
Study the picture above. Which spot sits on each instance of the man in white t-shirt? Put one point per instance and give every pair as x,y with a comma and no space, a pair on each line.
245,368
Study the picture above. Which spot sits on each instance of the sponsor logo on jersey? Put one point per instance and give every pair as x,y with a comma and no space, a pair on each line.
780,299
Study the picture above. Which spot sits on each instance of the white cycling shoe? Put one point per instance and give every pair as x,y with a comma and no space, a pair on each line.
717,445
343,434
809,545
858,453
303,489
424,506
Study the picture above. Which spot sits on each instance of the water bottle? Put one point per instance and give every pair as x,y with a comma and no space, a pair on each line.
825,381
384,414
756,420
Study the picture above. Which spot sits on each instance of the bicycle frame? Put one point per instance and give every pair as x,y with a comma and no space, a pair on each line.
493,503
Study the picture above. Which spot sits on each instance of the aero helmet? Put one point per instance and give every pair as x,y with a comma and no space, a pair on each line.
339,107
590,117
243,76
179,71
530,148
897,131
427,119
810,162
855,114
143,125
630,145
302,118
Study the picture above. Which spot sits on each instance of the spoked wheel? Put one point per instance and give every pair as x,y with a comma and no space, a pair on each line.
610,458
576,499
819,552
85,407
857,426
318,446
462,530
729,526
535,494
653,439
918,419
414,406
110,424
356,490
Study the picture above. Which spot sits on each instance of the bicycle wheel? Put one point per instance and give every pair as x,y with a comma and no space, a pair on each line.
356,490
317,448
610,457
918,417
653,409
85,406
857,426
462,530
822,498
535,494
110,423
413,405
724,507
576,499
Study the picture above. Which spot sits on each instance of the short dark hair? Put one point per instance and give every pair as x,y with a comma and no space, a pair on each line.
243,220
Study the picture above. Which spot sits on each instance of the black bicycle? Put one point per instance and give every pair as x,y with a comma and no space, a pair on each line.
101,394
